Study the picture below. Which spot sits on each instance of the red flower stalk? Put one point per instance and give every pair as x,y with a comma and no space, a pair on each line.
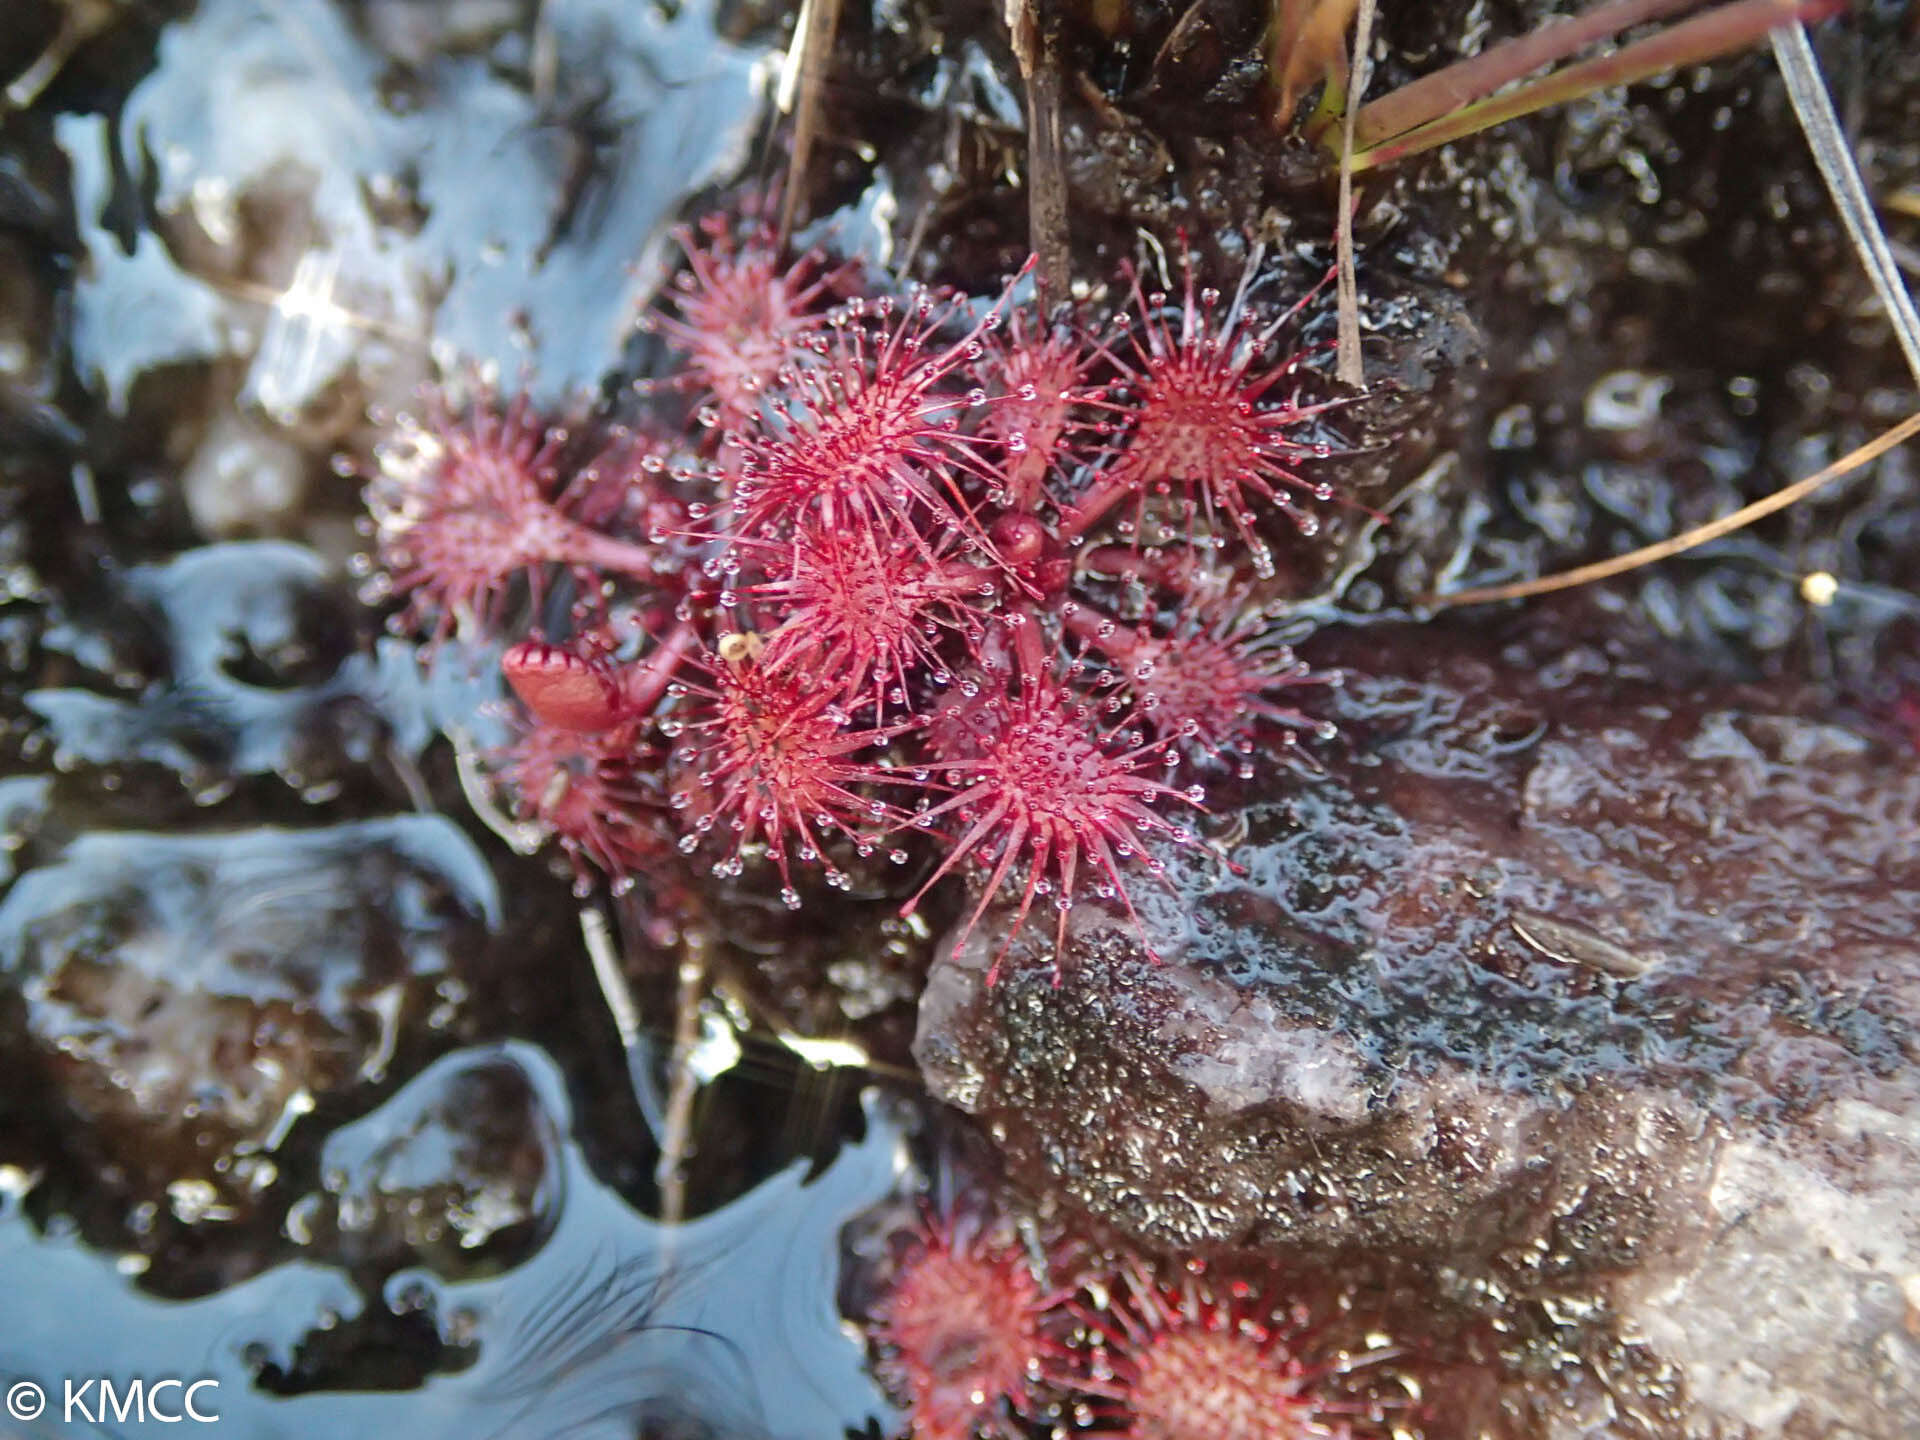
463,507
961,1327
1202,416
1184,1362
636,484
1204,681
868,607
577,766
767,758
1040,784
868,436
743,317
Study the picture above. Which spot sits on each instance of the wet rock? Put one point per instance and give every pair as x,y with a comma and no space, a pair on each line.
461,1163
1573,980
187,999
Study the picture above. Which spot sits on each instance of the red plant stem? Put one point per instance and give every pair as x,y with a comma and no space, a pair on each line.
644,684
1029,645
1119,643
1076,520
1173,568
603,552
1026,484
1466,81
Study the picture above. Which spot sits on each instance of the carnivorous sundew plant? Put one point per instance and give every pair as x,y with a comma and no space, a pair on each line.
924,582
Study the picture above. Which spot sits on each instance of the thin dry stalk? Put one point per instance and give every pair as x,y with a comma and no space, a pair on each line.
676,1141
1699,535
1718,32
634,1042
1812,103
1467,81
1035,47
1348,366
80,21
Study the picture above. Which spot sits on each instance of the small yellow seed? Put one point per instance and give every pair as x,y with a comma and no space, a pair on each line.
740,646
1818,588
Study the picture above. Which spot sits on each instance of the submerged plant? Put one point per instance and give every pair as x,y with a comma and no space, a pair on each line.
979,1333
959,1330
1239,1363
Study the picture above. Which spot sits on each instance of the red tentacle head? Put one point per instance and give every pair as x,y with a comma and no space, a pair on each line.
1043,792
769,762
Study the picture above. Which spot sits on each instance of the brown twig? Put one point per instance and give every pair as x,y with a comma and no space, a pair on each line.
80,21
1348,365
1035,47
1699,535
806,67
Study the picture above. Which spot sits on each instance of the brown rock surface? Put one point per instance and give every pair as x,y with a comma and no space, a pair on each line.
1574,983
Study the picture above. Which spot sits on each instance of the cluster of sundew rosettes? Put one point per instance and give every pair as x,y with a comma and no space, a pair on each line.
976,1332
917,580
